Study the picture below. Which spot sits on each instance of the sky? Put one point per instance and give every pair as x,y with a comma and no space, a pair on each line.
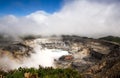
91,18
24,7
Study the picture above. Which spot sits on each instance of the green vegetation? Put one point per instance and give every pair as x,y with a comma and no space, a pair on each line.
48,72
111,38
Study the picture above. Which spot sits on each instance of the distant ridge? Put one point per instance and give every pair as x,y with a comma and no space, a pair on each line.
111,38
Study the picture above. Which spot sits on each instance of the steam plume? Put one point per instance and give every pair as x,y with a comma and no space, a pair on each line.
92,18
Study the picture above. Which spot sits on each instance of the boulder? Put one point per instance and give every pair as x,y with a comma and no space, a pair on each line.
66,58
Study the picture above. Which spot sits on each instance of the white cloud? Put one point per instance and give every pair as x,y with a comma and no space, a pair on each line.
38,16
79,17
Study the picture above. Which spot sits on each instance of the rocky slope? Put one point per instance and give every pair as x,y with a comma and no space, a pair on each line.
92,57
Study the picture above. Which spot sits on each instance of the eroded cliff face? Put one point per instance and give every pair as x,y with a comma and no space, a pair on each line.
89,56
95,58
